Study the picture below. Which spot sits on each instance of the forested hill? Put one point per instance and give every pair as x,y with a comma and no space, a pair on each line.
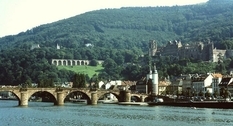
119,37
133,27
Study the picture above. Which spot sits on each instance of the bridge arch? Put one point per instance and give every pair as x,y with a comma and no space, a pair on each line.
50,95
85,95
139,97
136,98
15,93
116,94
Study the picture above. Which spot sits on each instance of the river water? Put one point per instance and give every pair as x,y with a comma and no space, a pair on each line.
71,114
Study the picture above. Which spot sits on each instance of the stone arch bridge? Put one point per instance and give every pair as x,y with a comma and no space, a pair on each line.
59,94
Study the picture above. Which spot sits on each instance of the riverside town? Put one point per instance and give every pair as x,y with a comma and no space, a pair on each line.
131,65
209,89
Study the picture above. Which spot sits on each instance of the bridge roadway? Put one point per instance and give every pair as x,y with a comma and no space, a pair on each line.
59,94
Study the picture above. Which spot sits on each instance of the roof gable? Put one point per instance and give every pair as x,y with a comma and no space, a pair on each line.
225,81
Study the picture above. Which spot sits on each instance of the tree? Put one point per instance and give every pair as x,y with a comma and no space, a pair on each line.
41,83
224,93
201,93
93,62
216,94
79,81
111,68
28,83
95,79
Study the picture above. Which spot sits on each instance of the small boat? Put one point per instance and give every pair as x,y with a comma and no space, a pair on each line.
78,100
132,103
110,102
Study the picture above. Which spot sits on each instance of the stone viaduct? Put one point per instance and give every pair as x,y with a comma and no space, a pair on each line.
72,62
59,94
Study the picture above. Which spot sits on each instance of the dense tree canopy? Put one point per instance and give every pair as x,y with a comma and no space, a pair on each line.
133,27
119,37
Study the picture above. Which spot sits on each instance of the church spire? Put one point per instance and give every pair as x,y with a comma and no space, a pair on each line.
150,70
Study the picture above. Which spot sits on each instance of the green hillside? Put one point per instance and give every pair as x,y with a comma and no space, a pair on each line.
89,70
119,37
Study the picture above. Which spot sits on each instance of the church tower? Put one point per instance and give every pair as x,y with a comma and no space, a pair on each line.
149,76
155,82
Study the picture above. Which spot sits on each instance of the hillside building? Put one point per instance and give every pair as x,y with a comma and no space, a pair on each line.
34,46
58,46
199,51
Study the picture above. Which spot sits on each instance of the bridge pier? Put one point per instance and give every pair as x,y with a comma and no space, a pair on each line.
60,98
142,98
24,98
94,98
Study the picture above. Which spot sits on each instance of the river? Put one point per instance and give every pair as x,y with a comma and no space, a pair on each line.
71,114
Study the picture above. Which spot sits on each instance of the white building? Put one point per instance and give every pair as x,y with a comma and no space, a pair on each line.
58,47
101,84
108,85
35,46
202,83
215,82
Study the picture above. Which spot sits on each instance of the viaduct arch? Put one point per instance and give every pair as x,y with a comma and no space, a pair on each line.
72,62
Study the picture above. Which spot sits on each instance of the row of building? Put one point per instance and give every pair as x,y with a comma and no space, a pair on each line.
213,84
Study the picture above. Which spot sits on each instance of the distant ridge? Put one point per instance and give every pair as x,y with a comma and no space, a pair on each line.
113,28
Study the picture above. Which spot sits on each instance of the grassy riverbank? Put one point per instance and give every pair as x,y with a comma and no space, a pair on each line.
90,70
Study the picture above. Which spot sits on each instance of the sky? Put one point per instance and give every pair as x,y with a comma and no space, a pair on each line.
20,15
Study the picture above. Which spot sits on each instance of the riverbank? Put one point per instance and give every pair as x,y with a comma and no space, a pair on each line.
197,104
8,98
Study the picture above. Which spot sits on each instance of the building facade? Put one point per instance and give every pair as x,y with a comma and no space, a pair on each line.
215,82
226,84
202,84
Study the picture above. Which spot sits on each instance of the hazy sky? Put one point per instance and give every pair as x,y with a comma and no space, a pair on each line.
19,15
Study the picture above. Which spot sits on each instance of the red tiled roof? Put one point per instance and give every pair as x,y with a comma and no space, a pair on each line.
217,75
164,83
